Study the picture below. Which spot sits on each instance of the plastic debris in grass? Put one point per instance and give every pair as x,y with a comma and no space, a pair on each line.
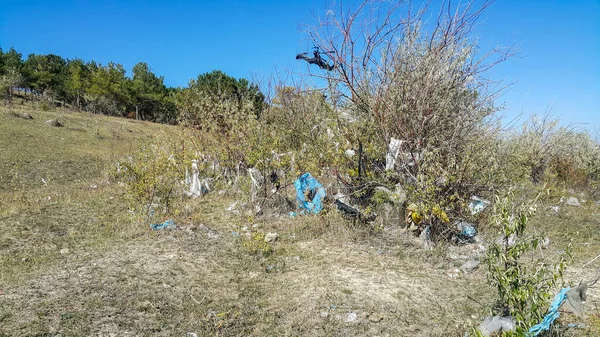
497,324
197,187
467,230
552,314
163,225
309,194
392,154
477,204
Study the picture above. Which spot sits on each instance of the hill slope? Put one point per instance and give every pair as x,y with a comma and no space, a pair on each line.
73,263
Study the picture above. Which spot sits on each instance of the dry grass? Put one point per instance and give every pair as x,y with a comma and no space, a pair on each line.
118,278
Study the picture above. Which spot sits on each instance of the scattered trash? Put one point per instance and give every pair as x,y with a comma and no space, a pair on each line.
234,233
307,186
392,154
494,324
555,209
575,297
293,214
477,204
552,314
426,237
412,215
351,317
324,314
94,186
271,237
197,188
545,243
350,153
163,225
191,334
467,230
469,266
257,181
64,251
572,201
343,207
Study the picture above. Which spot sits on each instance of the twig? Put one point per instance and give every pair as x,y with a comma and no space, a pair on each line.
202,300
585,265
476,301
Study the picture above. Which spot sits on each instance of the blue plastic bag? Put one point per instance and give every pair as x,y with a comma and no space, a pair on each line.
163,225
306,183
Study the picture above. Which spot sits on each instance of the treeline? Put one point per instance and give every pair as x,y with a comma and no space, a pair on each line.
94,87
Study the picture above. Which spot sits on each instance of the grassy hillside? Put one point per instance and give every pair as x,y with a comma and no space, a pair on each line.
74,263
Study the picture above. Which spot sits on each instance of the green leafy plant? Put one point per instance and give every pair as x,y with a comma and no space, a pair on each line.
524,283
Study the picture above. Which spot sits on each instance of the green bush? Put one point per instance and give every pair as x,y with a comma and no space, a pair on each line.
524,283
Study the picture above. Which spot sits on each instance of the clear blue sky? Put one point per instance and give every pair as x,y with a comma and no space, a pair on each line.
559,42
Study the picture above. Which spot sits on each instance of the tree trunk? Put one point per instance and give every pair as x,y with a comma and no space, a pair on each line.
137,116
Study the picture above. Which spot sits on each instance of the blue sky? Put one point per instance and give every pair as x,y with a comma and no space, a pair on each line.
559,42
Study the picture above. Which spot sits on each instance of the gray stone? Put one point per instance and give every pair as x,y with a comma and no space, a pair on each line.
469,266
324,314
271,237
351,317
555,209
572,201
64,251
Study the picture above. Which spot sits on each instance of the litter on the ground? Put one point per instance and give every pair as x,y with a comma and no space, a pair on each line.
309,194
575,297
163,225
552,314
497,324
466,229
392,154
197,187
477,204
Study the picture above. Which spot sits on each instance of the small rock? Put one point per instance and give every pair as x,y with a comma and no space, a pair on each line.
64,251
54,122
469,266
25,259
324,314
93,187
191,334
245,229
271,237
555,209
232,207
572,201
351,317
25,115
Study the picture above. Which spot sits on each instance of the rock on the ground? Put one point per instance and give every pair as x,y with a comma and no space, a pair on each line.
271,237
54,122
555,209
469,266
351,317
25,115
572,201
64,251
